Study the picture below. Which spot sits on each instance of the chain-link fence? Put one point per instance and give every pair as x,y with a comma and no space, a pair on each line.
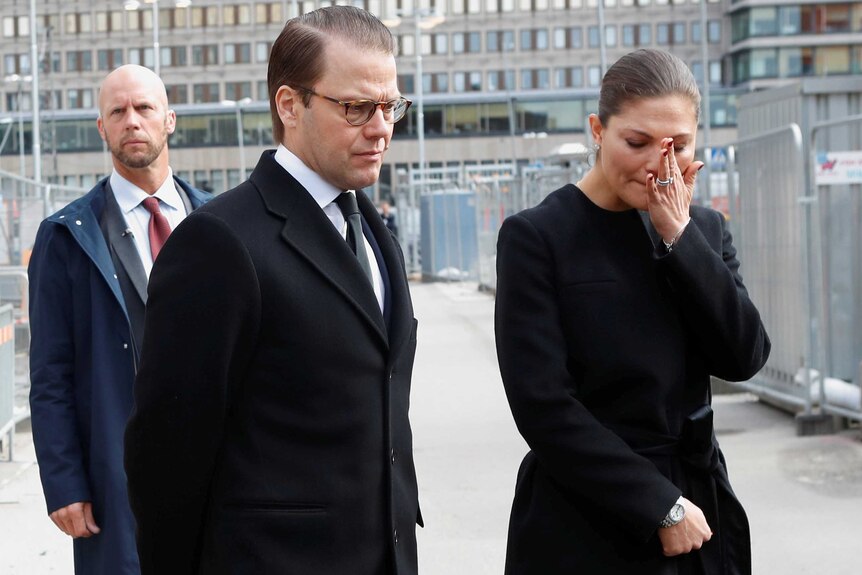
449,217
25,204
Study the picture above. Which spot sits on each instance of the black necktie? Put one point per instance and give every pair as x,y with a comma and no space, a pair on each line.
350,209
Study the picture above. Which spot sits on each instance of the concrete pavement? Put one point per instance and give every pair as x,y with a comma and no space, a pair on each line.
803,495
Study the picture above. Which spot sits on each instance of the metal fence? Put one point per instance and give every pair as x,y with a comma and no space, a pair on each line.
7,379
449,217
24,205
836,206
798,242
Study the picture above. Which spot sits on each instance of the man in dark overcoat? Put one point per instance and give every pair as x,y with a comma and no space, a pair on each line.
270,432
88,276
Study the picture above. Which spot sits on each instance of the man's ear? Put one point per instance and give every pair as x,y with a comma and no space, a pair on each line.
171,121
287,102
101,127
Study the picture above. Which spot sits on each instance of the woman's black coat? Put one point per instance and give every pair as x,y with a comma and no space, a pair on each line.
606,345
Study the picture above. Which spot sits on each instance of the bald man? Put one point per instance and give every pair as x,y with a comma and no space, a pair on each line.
88,291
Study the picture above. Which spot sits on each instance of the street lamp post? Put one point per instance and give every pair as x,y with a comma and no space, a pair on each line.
19,80
240,133
423,18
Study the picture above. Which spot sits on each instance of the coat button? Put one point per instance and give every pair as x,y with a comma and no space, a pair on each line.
115,276
395,536
78,222
125,346
392,456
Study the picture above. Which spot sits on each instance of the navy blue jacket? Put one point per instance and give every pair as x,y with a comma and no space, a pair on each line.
82,367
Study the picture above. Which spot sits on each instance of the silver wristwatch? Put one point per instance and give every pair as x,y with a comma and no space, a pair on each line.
675,515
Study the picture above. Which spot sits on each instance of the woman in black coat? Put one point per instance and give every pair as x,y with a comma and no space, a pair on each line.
616,302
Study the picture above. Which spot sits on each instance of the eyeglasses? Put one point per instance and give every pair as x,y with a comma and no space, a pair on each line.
359,112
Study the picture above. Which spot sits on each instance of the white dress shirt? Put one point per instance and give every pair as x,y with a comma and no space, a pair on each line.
129,197
324,194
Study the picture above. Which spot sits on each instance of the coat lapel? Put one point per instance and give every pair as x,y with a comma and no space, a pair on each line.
399,293
308,231
123,244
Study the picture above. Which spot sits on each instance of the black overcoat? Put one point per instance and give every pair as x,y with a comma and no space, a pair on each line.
83,323
270,432
606,345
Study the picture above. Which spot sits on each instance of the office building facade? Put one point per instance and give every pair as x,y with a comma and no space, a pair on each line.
502,80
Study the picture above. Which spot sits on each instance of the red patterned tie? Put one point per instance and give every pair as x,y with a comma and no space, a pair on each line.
159,228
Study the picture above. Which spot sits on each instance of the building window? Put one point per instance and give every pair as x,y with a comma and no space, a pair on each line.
205,55
715,72
52,62
109,21
534,39
79,61
174,56
610,36
678,33
568,38
594,76
662,34
236,91
535,79
141,57
236,14
134,20
262,50
204,16
713,28
467,82
533,5
172,18
237,53
593,36
80,98
500,41
571,77
406,83
830,60
269,13
109,59
205,93
466,42
16,64
435,83
16,26
695,33
499,80
78,23
178,94
440,44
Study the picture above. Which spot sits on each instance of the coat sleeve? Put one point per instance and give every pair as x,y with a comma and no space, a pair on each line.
53,407
203,314
582,455
714,303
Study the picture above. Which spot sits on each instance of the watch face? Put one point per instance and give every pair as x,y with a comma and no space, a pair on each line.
677,512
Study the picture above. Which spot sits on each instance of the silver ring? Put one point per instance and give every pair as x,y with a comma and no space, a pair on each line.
663,183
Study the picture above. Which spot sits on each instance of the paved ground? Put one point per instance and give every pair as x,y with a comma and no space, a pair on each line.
803,495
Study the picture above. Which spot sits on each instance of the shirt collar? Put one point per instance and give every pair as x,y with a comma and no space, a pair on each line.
129,196
322,191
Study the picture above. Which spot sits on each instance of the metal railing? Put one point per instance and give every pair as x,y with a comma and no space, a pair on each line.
837,208
785,227
23,205
7,378
449,217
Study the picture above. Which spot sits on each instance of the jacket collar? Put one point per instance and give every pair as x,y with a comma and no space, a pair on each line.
308,231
